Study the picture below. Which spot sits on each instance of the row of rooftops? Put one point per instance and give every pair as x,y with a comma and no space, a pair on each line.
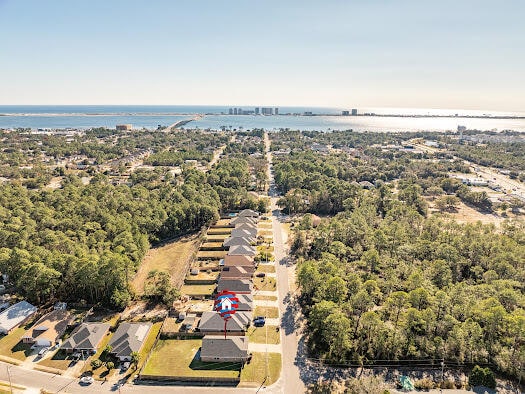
49,329
238,267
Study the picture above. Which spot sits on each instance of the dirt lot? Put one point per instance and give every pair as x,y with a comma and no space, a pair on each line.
466,214
171,257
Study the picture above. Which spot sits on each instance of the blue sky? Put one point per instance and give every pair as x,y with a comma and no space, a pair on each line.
354,53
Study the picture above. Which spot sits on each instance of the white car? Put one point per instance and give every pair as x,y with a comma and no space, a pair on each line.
87,379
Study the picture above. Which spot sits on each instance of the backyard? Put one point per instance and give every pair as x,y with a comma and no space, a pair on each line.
171,257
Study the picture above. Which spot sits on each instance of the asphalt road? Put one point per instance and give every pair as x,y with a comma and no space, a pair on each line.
293,354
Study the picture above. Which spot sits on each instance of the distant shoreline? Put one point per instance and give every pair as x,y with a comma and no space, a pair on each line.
369,115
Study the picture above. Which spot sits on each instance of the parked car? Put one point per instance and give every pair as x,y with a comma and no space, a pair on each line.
259,321
125,366
43,351
260,274
87,379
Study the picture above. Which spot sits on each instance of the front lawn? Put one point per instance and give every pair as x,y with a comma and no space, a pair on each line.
60,360
179,358
255,371
264,284
11,345
267,268
261,334
267,311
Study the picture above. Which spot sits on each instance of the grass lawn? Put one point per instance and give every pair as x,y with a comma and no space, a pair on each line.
60,360
211,254
219,231
265,298
197,290
223,222
265,248
203,276
265,233
265,284
263,267
11,345
212,245
179,358
148,344
259,334
255,371
269,311
171,257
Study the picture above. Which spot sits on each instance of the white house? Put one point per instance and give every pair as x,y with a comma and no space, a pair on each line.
15,316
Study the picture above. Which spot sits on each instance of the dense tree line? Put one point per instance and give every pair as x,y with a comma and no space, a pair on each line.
505,155
85,242
397,286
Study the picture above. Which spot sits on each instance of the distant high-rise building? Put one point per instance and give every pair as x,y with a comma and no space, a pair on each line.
256,110
239,111
354,112
230,111
345,113
267,110
235,111
276,112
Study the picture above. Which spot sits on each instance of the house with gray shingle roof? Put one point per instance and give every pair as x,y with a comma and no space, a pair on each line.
235,285
237,241
242,220
242,250
128,338
86,337
212,322
216,348
248,213
245,302
244,233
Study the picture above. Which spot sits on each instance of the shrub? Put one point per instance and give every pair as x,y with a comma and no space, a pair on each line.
482,377
424,384
96,363
448,384
110,365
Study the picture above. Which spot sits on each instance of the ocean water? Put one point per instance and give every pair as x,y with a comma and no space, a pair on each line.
141,116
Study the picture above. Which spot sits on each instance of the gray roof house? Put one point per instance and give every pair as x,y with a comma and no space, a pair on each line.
212,322
245,302
242,250
86,337
242,220
237,241
15,316
247,226
129,338
244,233
238,272
215,348
235,285
248,213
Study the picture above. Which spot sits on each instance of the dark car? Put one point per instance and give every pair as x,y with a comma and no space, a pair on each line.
259,321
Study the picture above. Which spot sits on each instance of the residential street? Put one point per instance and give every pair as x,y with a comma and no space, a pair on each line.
293,359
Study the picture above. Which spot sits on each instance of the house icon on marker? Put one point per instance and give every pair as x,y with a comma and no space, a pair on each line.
226,304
